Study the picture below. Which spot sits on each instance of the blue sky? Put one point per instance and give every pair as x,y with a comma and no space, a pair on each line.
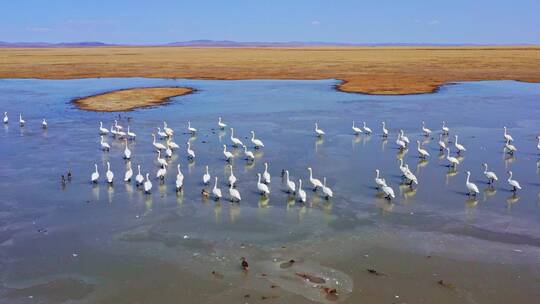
360,21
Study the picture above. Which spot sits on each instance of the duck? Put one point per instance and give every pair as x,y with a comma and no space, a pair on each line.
161,134
168,131
301,192
423,153
95,175
490,175
161,161
159,146
21,121
266,175
326,190
216,191
356,130
403,137
388,191
291,187
161,172
6,118
384,130
513,183
234,194
366,129
460,148
232,178
256,142
263,188
509,148
179,178
318,132
249,155
442,144
129,173
221,124
147,184
139,179
316,183
190,152
453,161
427,132
127,151
507,137
206,177
236,142
44,124
102,130
130,134
171,144
104,146
190,128
109,174
471,187
228,155
445,129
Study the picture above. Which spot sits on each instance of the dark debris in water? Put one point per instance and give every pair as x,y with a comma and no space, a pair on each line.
375,272
446,284
217,275
311,278
244,264
288,264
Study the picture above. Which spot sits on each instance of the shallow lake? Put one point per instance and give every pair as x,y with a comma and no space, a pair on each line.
84,243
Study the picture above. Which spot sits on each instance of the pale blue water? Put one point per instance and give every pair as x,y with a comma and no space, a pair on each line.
121,221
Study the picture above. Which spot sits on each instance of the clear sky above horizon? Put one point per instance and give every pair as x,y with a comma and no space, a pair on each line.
361,21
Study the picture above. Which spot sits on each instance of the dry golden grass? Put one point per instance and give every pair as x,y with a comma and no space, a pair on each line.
373,70
129,99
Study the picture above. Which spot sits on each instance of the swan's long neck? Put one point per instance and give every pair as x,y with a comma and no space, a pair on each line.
504,131
485,168
207,170
324,182
299,185
287,174
401,162
265,167
510,177
232,132
468,176
377,172
447,153
215,183
154,138
224,149
109,168
259,179
139,169
95,165
252,135
310,174
456,139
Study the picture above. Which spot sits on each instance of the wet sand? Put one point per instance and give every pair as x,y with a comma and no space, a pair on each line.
129,99
370,70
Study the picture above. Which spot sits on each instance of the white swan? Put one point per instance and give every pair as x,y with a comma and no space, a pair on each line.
266,175
171,144
507,137
130,134
221,125
129,173
102,130
6,118
104,146
168,131
379,181
384,130
232,178
509,148
263,189
403,137
113,131
216,191
388,191
161,161
235,194
427,132
190,152
326,190
445,129
127,151
460,148
301,192
179,179
206,177
44,124
21,120
161,134
356,130
490,175
147,184
422,152
256,142
249,155
228,155
366,129
453,161
402,145
512,182
473,189
236,142
139,179
318,132
117,126
157,145
442,144
168,152
161,172
402,168
121,134
291,187
314,181
410,176
95,175
190,128
109,174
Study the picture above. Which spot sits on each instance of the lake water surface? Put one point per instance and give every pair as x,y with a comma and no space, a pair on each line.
84,243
